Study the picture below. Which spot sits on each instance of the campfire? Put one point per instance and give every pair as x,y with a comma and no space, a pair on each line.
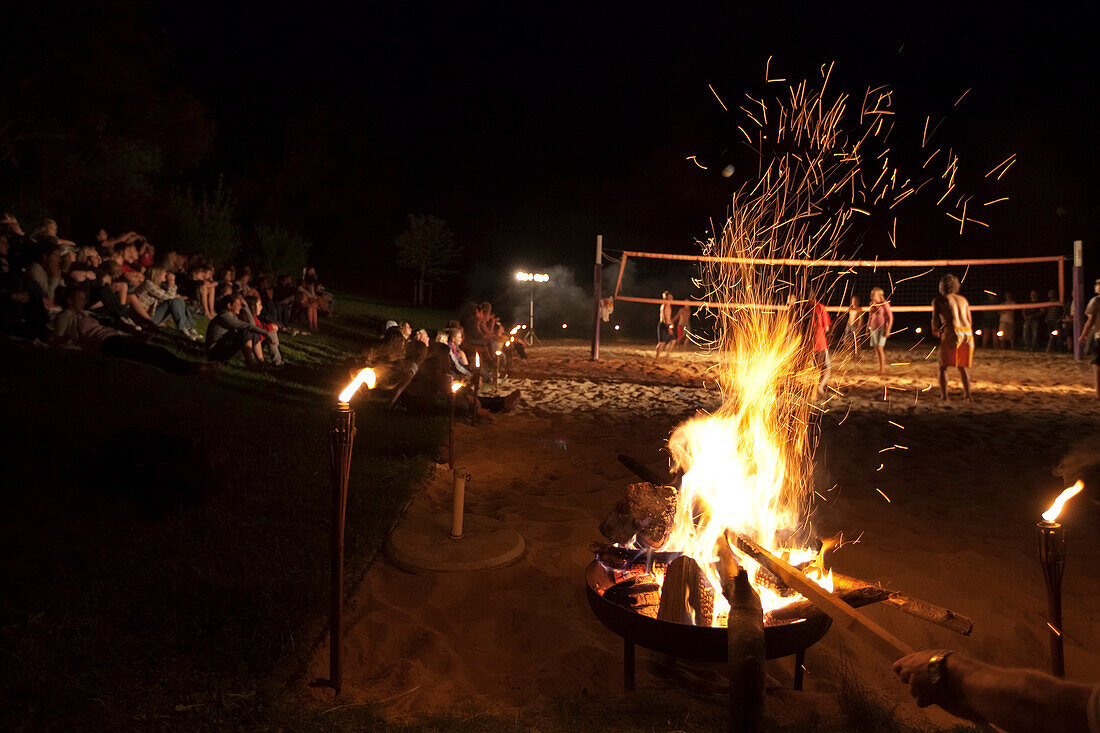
718,559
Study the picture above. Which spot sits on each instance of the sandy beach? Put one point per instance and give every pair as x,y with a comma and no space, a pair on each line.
938,500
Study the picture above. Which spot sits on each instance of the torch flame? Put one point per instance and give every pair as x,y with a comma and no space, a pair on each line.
455,386
477,359
365,376
1051,515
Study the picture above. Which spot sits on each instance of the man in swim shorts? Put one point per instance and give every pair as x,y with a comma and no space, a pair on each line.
952,326
666,327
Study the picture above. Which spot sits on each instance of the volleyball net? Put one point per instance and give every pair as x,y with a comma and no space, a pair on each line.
909,285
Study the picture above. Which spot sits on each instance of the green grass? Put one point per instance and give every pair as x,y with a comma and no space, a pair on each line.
113,617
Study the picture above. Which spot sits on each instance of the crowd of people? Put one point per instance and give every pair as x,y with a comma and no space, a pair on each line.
113,294
424,372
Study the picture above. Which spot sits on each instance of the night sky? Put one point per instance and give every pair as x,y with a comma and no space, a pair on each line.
532,129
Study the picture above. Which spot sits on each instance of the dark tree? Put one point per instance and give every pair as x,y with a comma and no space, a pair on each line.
427,247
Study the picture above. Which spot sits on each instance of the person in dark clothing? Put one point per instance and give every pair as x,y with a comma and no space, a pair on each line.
229,333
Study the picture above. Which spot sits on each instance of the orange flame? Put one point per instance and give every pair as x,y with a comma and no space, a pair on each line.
365,376
455,386
1051,515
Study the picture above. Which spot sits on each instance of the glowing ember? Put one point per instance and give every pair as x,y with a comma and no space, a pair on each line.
1051,515
365,376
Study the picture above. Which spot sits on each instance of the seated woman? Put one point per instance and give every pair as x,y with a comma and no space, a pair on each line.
329,306
256,308
308,303
160,302
75,329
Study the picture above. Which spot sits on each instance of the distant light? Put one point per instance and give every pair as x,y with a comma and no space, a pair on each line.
538,277
616,326
565,325
918,329
978,332
1000,334
1054,332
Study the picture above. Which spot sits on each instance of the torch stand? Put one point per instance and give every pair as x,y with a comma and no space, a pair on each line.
341,440
454,542
1052,558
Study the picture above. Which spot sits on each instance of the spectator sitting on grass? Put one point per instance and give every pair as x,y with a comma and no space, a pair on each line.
284,294
49,229
160,302
103,301
460,365
126,255
44,272
228,334
256,308
310,301
75,329
271,313
122,287
329,306
14,296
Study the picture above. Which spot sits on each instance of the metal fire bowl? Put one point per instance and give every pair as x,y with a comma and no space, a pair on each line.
707,643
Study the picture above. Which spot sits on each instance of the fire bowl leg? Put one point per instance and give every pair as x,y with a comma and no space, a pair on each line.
628,665
799,668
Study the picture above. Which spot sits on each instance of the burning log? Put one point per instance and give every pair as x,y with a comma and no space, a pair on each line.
745,636
854,597
645,513
844,616
640,597
686,596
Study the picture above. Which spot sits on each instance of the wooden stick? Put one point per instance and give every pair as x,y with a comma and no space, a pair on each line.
932,613
854,597
916,607
843,615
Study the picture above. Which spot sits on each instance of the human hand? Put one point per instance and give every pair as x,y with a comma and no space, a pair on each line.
170,277
913,670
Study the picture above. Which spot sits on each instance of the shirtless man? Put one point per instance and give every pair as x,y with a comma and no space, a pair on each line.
951,325
1092,325
666,327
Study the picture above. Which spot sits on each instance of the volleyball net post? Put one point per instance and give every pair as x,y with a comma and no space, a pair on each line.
597,287
1078,298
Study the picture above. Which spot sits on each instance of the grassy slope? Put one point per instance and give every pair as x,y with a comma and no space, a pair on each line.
112,616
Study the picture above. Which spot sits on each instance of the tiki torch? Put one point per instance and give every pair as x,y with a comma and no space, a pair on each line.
341,439
1052,559
455,386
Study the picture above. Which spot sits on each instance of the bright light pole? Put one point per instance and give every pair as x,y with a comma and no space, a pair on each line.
532,278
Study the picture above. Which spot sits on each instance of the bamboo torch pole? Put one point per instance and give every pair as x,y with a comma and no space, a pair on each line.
341,441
